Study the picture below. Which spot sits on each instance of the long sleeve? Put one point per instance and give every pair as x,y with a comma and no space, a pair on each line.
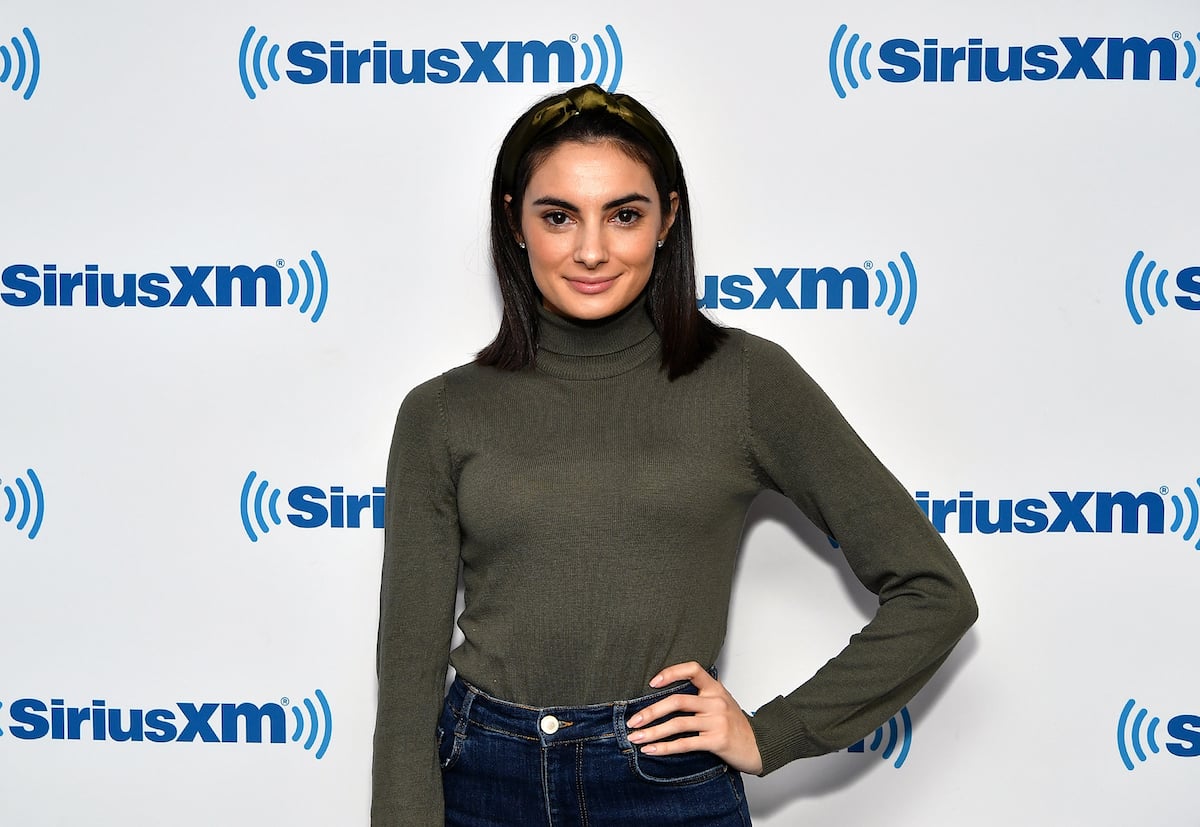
416,613
801,446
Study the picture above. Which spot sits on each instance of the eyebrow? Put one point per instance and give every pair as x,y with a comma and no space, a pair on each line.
550,201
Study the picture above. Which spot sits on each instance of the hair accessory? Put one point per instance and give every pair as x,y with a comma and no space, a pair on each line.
559,109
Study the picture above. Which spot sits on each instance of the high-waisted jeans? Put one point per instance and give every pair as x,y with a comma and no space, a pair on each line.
508,764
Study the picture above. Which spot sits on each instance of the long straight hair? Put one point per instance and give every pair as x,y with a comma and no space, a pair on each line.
688,337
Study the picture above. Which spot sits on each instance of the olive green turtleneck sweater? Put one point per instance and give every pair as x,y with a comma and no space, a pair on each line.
597,509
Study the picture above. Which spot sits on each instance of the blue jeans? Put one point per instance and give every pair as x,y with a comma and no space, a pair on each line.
508,764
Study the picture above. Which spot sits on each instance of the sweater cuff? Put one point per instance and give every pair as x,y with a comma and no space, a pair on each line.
782,736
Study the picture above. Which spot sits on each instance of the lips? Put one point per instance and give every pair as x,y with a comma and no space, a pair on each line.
591,286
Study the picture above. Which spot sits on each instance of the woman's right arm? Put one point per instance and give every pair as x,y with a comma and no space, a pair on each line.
416,612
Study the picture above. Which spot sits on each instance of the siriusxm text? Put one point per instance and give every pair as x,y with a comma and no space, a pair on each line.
1083,512
1091,58
207,285
789,288
1186,729
313,507
496,61
184,721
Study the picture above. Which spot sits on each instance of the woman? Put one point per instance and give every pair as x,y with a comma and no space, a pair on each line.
592,470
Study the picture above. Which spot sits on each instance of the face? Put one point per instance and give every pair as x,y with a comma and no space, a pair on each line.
591,220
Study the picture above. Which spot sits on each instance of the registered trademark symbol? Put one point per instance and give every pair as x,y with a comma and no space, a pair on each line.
279,262
284,700
1176,35
575,38
868,264
1164,490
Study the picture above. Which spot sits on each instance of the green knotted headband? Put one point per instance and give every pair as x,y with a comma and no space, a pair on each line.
559,109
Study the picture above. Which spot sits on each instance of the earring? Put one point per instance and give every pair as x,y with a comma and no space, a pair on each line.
521,244
661,242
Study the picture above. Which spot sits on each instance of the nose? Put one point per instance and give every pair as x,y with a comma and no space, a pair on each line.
590,249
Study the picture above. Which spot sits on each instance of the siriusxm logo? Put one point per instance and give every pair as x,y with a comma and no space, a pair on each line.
33,719
25,504
1138,281
311,507
183,285
799,288
468,61
22,64
899,734
1184,729
1083,512
901,60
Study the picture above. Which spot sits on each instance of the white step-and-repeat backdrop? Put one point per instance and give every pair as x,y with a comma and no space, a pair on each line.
233,235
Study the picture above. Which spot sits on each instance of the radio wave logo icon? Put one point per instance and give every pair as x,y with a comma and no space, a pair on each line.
898,734
254,496
316,725
1187,509
843,59
601,62
314,284
1131,735
23,63
28,499
1137,287
1190,68
253,62
903,288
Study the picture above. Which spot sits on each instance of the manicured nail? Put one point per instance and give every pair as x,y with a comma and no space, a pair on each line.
656,680
637,737
650,748
635,720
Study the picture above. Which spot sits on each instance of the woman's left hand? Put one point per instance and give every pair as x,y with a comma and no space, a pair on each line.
721,726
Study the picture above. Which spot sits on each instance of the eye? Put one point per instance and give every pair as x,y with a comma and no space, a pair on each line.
627,215
556,218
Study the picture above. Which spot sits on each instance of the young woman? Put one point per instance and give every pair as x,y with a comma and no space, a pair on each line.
590,473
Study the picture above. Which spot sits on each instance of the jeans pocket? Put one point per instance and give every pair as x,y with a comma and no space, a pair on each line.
679,769
449,743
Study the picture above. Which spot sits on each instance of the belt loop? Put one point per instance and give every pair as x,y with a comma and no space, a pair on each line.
619,725
460,727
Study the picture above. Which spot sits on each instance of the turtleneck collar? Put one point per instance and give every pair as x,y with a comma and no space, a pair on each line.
574,349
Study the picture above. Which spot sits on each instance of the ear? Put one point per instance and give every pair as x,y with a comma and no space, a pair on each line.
516,231
669,218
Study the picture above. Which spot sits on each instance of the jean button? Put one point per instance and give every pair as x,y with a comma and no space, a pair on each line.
549,724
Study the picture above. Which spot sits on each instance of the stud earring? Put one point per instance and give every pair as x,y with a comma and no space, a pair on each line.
521,244
661,242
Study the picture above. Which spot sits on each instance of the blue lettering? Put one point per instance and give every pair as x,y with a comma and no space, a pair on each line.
1188,281
1107,503
198,722
835,287
153,287
304,499
22,280
1121,47
443,66
248,278
483,61
1041,59
1071,511
159,726
895,53
1030,513
540,54
1187,729
775,288
191,286
30,724
253,716
737,288
305,55
1082,58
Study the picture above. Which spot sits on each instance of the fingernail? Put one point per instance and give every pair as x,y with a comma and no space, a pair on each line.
635,720
637,736
656,680
650,748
